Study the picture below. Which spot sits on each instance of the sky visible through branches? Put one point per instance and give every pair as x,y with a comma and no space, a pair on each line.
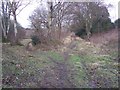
23,17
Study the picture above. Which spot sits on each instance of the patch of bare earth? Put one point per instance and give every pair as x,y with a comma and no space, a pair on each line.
57,77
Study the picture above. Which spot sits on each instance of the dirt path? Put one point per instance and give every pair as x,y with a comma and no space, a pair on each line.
58,76
55,76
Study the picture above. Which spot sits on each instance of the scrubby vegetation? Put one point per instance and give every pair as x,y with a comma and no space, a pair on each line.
74,45
81,65
117,23
35,40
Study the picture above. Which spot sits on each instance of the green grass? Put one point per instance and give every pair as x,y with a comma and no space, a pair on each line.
106,69
80,77
54,55
33,63
75,58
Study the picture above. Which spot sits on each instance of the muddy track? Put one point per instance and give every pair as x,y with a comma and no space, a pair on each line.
55,76
59,78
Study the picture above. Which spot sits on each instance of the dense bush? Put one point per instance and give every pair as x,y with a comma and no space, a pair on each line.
107,24
112,26
35,40
117,23
100,25
81,33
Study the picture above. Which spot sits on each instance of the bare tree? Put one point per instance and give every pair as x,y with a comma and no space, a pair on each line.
61,12
5,18
85,13
67,14
14,6
11,8
52,18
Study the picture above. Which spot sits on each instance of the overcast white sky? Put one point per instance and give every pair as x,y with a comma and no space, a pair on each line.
23,17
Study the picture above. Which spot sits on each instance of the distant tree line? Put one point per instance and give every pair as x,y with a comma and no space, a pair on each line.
83,18
50,23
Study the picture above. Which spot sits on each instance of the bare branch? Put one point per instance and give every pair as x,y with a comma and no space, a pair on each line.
24,7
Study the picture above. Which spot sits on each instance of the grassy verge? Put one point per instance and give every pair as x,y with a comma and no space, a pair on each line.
87,67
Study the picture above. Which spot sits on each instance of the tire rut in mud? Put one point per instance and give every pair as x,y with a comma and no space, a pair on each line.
60,77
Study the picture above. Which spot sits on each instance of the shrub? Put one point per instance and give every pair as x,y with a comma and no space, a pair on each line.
100,25
117,23
81,33
35,40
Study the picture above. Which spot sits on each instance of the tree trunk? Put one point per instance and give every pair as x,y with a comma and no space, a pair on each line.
3,29
15,24
15,41
49,19
88,31
59,28
8,20
3,26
